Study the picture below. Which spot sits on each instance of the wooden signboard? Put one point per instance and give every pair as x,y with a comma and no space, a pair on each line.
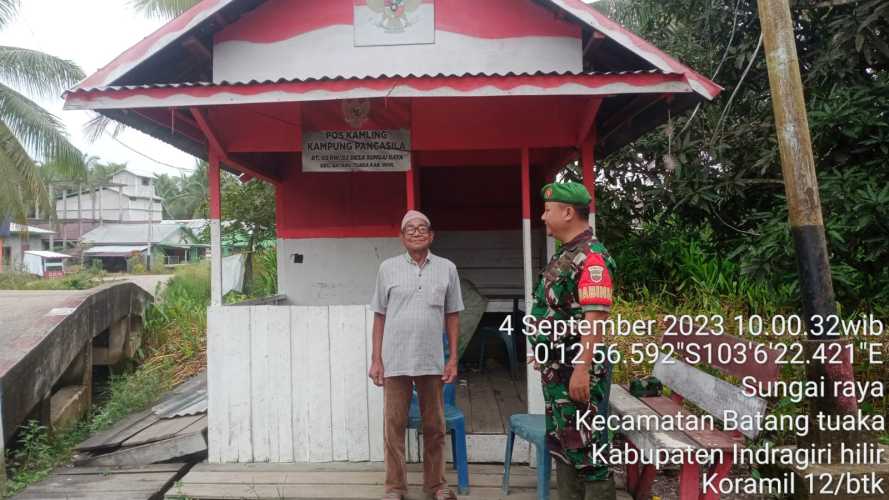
357,150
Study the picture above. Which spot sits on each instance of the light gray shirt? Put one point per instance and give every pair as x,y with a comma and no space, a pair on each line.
415,300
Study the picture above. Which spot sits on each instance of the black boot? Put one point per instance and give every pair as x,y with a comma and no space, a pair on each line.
599,490
570,486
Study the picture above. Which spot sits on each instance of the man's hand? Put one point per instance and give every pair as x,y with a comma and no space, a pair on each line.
450,372
376,373
579,386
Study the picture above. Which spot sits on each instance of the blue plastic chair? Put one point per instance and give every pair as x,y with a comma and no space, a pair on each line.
531,428
455,423
487,332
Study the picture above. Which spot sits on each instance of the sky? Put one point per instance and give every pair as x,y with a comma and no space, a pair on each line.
91,33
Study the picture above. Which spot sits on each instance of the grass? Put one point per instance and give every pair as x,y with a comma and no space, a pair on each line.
80,280
174,348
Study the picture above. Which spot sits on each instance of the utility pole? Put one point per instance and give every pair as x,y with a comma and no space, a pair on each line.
65,219
806,224
52,211
150,209
79,212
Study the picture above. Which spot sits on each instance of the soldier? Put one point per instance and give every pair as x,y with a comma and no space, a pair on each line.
576,284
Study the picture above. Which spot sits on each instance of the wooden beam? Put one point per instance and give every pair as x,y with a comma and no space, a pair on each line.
589,120
596,39
216,146
196,47
209,134
635,107
156,121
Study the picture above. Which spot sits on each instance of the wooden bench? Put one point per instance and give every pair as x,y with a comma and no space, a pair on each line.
708,393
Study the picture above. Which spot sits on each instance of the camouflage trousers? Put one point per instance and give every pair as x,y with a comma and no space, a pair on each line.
568,442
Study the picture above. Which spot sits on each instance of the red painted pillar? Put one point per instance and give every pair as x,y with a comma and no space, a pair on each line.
215,209
587,160
526,224
410,189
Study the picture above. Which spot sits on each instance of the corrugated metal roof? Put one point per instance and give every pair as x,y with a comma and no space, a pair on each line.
21,228
129,233
48,255
189,398
114,250
226,83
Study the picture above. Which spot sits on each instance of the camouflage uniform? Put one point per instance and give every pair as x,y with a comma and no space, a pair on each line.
576,280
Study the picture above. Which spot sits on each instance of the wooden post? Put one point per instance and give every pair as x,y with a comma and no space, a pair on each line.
526,225
587,159
806,224
534,394
410,189
213,176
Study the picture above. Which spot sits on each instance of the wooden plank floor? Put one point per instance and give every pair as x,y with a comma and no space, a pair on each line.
356,481
145,482
348,481
488,399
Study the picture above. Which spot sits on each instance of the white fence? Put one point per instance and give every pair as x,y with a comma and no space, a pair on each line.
289,383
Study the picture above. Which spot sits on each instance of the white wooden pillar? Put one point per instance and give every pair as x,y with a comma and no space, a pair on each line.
587,160
534,393
213,176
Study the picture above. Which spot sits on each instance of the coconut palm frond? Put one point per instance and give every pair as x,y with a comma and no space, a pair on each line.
36,73
21,178
38,131
162,9
98,125
8,10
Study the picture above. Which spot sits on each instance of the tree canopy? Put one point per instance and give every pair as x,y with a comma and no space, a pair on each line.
27,131
713,176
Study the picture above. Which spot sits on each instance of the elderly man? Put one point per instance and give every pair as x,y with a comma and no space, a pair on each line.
417,296
576,284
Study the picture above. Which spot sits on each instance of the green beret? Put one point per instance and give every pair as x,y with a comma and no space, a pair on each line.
572,193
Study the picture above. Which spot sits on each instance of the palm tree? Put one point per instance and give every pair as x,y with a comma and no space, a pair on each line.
27,131
163,9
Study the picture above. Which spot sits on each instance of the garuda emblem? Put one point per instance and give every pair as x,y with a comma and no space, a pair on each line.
356,111
394,13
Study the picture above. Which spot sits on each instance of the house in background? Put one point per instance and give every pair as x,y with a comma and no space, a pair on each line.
128,197
45,264
114,244
21,238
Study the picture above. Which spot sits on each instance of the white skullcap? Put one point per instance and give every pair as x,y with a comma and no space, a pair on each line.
414,214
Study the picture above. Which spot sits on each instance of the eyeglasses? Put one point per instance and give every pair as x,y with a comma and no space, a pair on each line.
416,230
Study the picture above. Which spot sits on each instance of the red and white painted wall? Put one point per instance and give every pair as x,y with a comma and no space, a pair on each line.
494,37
